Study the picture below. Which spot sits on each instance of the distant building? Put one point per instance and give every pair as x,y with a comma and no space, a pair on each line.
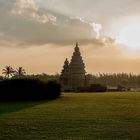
73,75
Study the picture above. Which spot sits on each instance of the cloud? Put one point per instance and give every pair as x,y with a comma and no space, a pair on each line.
29,9
107,12
97,28
25,23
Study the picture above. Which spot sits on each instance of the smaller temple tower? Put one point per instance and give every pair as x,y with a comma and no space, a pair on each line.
64,78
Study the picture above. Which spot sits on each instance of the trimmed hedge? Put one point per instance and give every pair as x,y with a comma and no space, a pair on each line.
94,88
28,90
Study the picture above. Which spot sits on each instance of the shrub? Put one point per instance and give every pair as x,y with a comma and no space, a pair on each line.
93,88
23,89
97,88
53,87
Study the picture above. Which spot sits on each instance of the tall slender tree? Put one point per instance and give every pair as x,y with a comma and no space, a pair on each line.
8,71
20,71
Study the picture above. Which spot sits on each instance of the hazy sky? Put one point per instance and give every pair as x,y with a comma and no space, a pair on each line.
40,34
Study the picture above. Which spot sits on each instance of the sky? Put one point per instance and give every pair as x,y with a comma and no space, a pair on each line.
39,34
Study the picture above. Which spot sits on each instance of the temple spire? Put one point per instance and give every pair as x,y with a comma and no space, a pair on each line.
77,47
77,44
66,63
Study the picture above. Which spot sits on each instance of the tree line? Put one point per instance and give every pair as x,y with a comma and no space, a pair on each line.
110,79
117,79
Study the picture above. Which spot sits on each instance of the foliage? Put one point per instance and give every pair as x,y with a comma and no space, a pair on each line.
28,89
97,88
20,71
8,71
116,79
44,77
54,88
93,88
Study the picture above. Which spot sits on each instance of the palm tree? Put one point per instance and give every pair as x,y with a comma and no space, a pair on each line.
8,71
20,71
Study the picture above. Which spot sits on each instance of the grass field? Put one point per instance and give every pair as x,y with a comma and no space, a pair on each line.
98,116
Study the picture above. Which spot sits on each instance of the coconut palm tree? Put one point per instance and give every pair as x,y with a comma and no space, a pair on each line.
8,71
20,71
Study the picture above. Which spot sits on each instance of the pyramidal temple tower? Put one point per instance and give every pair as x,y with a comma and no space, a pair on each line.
73,73
64,78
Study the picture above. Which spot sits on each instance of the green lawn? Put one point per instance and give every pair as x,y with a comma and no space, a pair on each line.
98,116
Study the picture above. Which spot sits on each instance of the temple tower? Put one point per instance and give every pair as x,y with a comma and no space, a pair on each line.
76,70
73,73
64,78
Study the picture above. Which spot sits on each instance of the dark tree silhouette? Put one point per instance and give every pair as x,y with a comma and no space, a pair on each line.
20,71
8,71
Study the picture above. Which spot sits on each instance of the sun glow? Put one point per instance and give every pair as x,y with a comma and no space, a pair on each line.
130,36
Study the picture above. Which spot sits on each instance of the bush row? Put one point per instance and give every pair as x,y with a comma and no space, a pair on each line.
28,89
91,88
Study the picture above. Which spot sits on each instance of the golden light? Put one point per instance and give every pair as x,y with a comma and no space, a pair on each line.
130,36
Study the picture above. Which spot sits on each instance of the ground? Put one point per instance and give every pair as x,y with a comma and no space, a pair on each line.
95,116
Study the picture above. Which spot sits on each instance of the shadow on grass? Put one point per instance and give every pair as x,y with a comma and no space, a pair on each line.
9,107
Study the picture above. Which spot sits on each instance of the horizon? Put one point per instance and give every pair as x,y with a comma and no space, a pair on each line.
40,34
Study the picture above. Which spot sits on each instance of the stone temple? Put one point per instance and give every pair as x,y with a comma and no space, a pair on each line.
73,75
